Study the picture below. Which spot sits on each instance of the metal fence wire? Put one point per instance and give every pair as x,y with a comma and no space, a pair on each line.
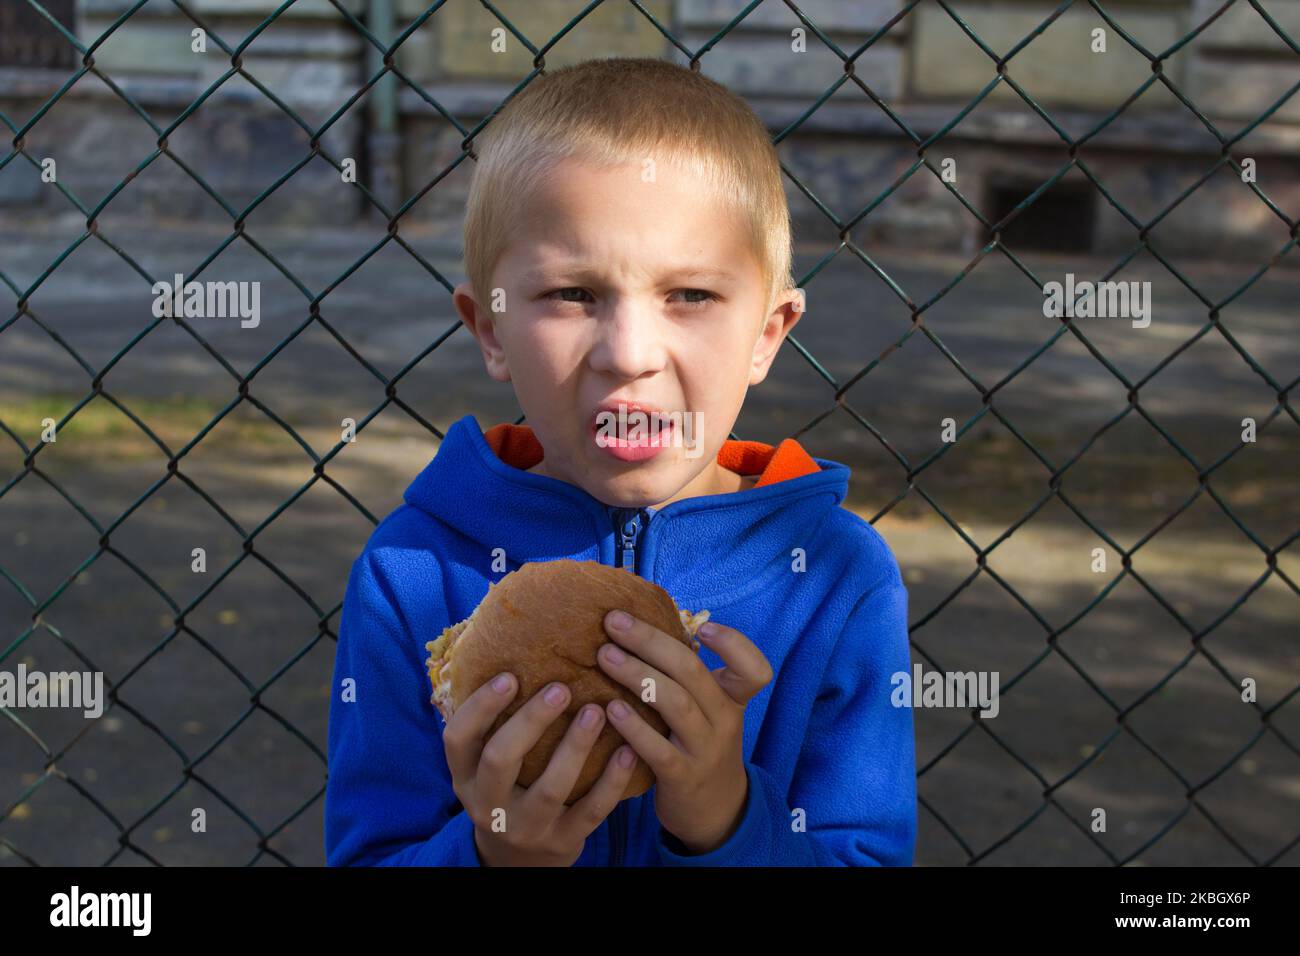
1002,68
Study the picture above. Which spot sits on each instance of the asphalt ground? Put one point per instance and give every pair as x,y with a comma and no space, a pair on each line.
1134,707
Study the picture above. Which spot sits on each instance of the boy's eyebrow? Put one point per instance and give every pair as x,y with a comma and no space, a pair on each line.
685,272
698,272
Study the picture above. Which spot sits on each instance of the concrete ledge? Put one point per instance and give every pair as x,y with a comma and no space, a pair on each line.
1175,132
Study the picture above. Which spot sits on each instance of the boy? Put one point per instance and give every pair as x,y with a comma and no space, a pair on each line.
627,248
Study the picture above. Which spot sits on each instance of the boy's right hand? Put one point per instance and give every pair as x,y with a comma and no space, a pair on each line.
539,829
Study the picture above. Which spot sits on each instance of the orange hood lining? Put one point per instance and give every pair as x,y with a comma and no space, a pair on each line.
516,445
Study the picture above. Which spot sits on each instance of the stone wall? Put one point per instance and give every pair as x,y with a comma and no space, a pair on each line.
239,142
847,152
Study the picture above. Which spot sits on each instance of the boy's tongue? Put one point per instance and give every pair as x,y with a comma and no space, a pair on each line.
644,439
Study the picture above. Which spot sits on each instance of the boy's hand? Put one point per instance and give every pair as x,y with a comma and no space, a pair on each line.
701,785
539,829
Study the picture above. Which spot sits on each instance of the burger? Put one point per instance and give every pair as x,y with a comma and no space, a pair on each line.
543,623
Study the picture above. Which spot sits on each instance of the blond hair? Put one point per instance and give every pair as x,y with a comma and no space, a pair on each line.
619,110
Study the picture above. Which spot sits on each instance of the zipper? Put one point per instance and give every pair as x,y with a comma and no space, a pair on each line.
628,525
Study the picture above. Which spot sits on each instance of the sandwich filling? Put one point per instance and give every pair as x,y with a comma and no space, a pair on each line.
439,666
442,652
692,624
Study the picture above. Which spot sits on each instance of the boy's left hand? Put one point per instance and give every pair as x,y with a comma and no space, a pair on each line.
700,780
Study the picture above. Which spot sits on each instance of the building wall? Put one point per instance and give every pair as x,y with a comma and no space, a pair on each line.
847,152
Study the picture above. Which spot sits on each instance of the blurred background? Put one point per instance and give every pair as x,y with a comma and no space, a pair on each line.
944,161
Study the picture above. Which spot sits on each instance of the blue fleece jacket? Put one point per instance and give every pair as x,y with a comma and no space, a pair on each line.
830,761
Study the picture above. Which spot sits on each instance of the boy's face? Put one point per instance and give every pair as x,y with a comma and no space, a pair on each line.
618,289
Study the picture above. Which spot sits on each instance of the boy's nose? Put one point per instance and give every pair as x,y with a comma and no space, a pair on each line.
629,342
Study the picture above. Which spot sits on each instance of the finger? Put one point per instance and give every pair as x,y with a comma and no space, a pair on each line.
747,670
651,746
462,739
670,656
504,752
678,708
581,819
549,791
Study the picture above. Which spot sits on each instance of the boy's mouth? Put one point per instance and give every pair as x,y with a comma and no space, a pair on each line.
614,430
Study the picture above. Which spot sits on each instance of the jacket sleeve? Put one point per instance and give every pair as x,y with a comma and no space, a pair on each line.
388,798
855,779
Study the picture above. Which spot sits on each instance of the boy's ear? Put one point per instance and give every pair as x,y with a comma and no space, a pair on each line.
482,325
785,314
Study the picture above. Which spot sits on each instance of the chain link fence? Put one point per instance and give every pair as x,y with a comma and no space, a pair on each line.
47,757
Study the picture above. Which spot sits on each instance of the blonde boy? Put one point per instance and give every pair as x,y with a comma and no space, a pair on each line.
628,253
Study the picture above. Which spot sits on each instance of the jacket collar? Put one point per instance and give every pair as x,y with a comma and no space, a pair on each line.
702,550
517,445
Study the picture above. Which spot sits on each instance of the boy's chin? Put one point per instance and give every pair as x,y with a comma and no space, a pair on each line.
635,488
635,484
647,484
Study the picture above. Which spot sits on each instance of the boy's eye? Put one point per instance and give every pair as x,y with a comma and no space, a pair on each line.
562,291
697,303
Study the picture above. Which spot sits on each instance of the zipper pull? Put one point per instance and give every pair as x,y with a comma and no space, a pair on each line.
631,528
628,525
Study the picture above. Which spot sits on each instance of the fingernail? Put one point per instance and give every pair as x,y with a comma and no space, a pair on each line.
614,655
501,684
618,709
626,758
554,694
707,630
620,620
589,717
